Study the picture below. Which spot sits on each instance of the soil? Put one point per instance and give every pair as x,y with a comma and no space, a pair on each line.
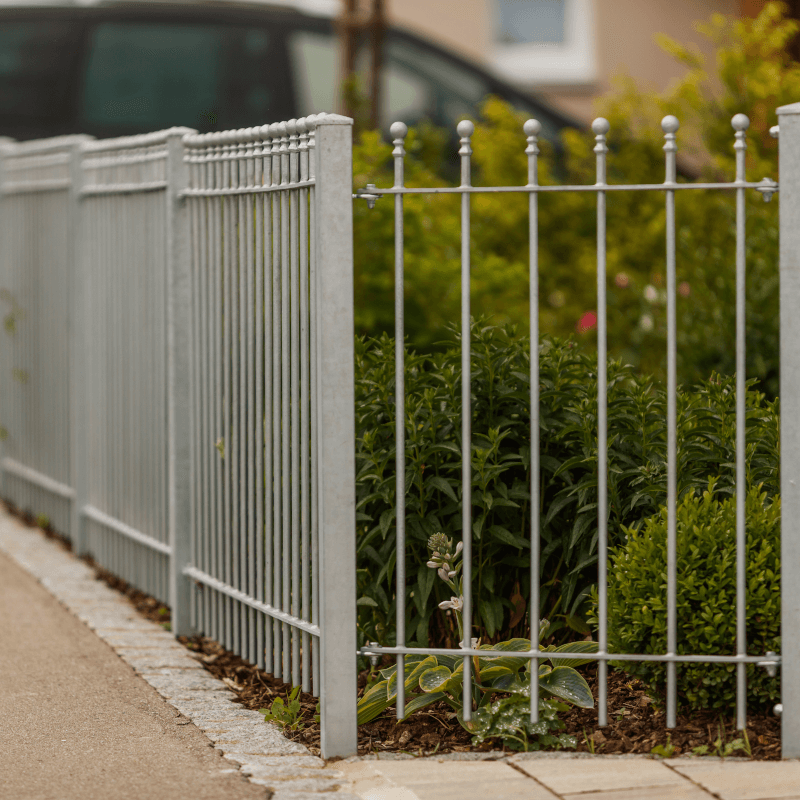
636,724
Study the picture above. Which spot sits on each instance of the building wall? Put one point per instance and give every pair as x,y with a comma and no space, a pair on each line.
623,33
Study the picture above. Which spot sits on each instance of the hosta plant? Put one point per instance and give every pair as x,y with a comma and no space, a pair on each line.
501,685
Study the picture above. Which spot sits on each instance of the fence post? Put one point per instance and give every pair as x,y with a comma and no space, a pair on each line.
178,393
5,143
79,312
789,170
337,542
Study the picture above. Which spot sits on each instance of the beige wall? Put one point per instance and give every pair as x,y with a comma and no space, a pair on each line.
624,36
461,25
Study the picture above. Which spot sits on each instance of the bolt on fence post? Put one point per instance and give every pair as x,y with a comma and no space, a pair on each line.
336,420
179,299
789,169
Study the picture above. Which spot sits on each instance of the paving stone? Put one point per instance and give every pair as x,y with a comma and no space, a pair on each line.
301,785
429,779
139,639
295,795
288,773
265,762
157,660
174,682
241,751
107,623
743,780
600,775
685,791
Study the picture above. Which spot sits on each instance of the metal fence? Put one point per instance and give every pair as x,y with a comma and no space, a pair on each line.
790,392
175,395
177,391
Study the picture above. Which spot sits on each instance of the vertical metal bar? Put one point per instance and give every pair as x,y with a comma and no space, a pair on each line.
399,131
601,127
302,129
196,436
262,319
740,124
227,402
217,298
250,438
265,418
277,572
532,128
237,368
285,398
79,376
465,131
204,321
179,355
789,271
670,126
294,341
334,244
314,335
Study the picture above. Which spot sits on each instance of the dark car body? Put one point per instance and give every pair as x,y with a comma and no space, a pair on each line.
128,67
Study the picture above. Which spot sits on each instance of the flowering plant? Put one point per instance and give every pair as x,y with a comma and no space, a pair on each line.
501,684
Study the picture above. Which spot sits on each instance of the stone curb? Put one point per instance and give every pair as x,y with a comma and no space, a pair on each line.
257,748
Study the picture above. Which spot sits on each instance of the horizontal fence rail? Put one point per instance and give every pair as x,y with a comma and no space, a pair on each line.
600,189
179,325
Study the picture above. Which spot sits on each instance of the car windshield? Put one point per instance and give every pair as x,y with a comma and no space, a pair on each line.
151,75
35,69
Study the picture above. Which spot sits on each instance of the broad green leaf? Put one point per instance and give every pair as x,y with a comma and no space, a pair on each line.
432,680
373,703
420,701
573,647
568,684
510,682
413,671
492,673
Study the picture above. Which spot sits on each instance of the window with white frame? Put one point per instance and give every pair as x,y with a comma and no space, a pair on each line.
545,42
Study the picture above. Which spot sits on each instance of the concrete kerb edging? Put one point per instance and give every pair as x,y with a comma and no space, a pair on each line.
257,748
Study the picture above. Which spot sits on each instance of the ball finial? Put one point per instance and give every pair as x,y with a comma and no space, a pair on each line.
465,129
291,127
670,124
601,126
740,122
399,130
532,127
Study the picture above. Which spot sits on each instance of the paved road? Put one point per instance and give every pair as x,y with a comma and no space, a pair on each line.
77,723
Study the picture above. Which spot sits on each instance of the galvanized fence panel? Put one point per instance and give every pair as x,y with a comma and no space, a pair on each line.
789,394
273,496
35,293
126,270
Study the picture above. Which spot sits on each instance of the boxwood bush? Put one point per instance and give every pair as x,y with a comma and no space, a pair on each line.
501,473
706,597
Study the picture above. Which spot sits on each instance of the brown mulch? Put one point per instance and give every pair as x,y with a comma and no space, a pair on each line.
636,724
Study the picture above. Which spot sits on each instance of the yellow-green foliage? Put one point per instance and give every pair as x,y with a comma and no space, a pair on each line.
706,598
751,74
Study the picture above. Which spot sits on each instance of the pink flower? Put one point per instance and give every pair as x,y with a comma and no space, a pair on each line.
684,289
587,321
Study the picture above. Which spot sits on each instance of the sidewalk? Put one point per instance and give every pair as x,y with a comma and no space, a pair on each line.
77,722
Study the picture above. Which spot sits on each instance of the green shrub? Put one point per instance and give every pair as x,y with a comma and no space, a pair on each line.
706,597
501,473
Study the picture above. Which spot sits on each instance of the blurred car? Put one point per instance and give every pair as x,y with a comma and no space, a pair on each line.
117,68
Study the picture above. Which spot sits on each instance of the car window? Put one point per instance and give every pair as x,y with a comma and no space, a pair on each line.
147,76
315,66
36,60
